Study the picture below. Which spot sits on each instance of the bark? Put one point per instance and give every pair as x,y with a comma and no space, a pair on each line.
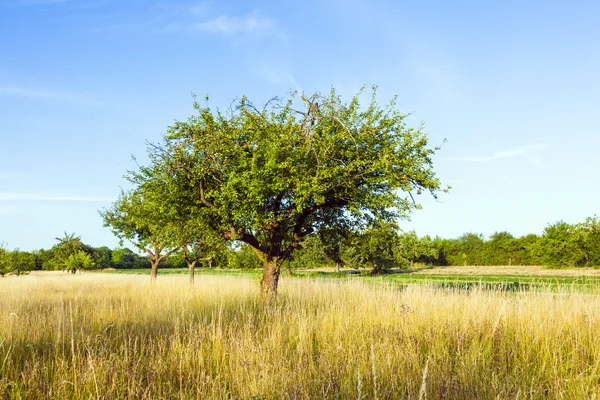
154,272
192,268
337,267
270,280
376,270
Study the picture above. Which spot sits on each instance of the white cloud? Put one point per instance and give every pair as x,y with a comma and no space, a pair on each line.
525,152
227,25
45,197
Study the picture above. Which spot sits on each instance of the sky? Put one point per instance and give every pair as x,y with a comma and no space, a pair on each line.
513,86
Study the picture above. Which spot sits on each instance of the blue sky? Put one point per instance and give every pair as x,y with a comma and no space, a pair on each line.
514,86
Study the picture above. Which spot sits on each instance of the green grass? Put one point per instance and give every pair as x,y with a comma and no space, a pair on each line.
503,282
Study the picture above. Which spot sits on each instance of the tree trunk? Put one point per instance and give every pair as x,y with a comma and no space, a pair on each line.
337,267
192,268
270,280
154,272
376,270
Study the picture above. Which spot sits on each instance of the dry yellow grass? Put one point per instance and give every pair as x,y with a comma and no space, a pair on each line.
115,336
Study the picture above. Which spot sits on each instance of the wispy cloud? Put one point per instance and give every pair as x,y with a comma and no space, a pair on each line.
228,25
60,198
42,94
276,74
525,152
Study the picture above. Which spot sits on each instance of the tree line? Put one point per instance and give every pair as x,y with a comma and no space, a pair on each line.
376,249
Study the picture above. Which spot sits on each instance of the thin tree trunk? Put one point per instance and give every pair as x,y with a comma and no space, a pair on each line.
376,270
270,280
154,272
337,267
192,268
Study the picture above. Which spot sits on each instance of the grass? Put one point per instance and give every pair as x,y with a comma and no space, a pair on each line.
495,277
117,336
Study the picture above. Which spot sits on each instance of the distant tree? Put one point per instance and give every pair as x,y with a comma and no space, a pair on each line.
67,250
102,257
78,261
499,249
471,246
15,262
410,249
560,246
139,217
123,258
589,239
44,260
270,177
376,246
525,250
334,236
311,254
243,257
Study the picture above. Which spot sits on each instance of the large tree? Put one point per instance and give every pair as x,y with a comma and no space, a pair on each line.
269,176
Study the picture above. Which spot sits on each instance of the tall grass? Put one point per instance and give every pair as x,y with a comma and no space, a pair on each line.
114,336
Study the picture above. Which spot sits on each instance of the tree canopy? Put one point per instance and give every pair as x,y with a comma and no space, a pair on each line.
272,175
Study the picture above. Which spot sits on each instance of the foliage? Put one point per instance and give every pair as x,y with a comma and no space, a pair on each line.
270,177
311,254
243,257
124,258
70,254
141,217
410,249
78,261
15,262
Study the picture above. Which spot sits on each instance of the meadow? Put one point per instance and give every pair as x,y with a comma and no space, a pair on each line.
111,336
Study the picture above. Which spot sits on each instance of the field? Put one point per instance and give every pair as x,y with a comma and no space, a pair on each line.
100,335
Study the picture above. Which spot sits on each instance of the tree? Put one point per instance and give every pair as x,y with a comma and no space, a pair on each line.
68,253
471,246
376,246
78,261
500,249
589,237
310,254
560,246
102,257
271,176
15,262
410,248
140,217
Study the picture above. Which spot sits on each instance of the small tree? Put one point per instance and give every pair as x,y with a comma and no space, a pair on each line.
410,249
67,250
137,216
78,261
15,262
